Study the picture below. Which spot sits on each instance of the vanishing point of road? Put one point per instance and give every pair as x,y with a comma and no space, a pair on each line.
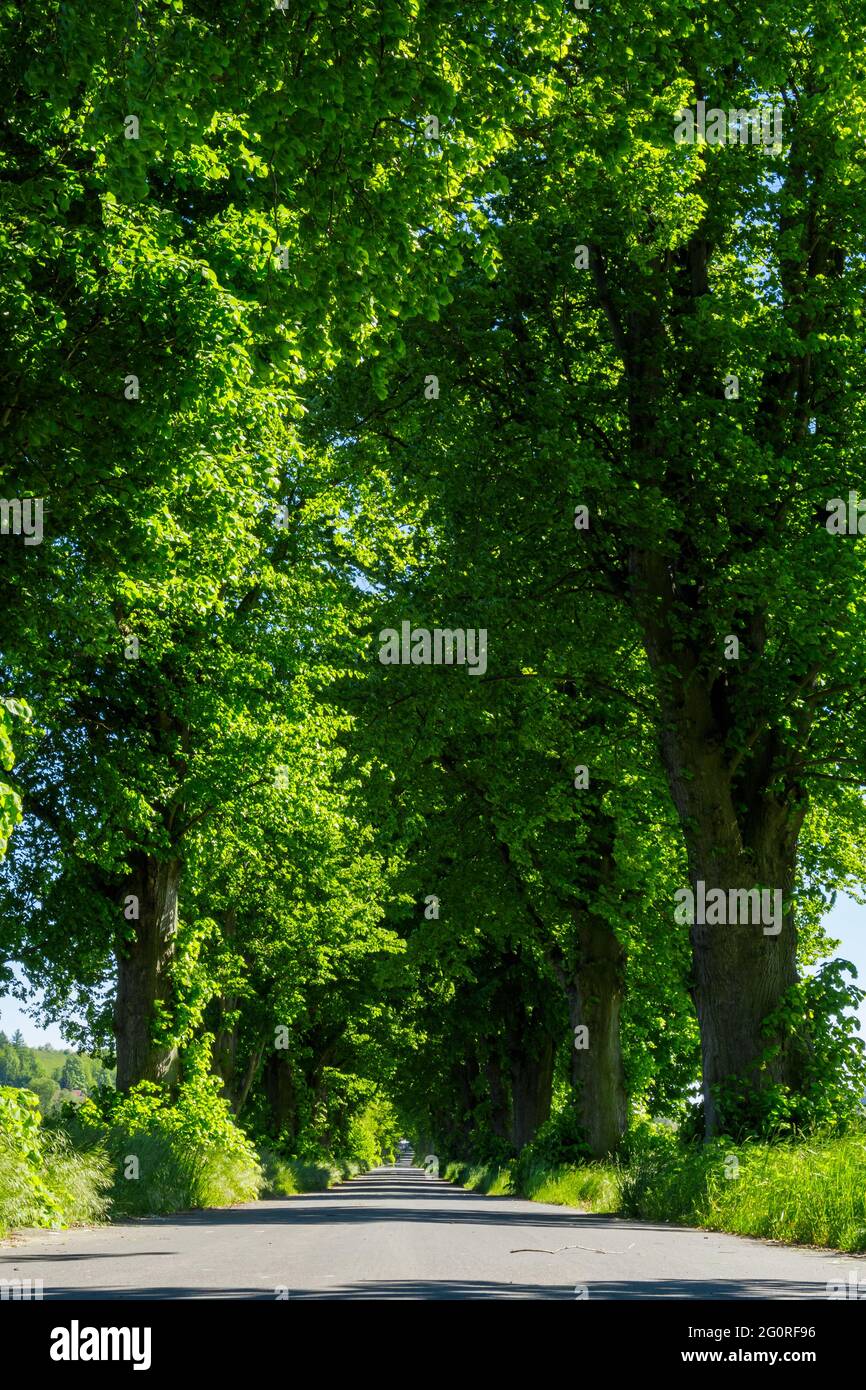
395,1233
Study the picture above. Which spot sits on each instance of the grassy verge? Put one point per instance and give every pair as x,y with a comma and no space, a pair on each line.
44,1180
812,1192
156,1174
70,1188
493,1182
287,1177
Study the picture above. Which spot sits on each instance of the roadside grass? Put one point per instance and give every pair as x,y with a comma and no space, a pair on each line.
67,1189
492,1182
289,1177
170,1175
810,1192
593,1186
286,1177
804,1192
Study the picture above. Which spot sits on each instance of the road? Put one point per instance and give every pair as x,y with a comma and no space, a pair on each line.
394,1233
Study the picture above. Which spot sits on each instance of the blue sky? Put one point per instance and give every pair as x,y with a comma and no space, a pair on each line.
847,921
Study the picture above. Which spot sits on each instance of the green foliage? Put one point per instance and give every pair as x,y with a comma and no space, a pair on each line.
816,1019
48,1071
279,261
559,1142
170,1155
44,1181
373,1133
10,801
286,1177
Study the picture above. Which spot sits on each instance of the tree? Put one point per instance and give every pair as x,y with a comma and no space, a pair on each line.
72,1077
214,252
681,322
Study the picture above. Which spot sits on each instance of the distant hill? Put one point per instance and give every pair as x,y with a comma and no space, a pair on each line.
54,1074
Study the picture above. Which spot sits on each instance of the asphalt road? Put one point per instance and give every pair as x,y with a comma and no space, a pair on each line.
394,1233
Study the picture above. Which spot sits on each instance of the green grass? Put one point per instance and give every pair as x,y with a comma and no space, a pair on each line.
71,1189
809,1192
493,1182
288,1177
812,1192
591,1186
176,1176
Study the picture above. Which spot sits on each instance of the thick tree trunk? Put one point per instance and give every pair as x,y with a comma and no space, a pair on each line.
464,1128
740,974
733,776
594,1002
143,971
500,1118
279,1080
741,833
531,1087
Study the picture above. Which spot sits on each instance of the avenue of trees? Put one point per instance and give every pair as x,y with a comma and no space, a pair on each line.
329,321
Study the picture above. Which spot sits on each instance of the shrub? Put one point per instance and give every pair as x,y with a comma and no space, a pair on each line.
171,1154
287,1177
559,1141
43,1180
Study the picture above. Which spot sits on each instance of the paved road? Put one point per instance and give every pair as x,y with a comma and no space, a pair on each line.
394,1233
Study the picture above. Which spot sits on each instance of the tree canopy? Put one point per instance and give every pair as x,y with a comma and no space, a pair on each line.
438,681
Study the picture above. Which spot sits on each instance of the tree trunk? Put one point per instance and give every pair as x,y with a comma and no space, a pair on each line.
741,831
499,1110
239,1099
279,1080
143,963
531,1087
225,1047
740,974
594,1002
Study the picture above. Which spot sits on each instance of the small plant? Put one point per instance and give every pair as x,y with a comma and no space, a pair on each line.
171,1154
43,1180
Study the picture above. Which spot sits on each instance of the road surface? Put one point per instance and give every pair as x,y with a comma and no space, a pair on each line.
394,1233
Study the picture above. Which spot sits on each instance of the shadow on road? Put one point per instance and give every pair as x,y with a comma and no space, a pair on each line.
383,1197
683,1289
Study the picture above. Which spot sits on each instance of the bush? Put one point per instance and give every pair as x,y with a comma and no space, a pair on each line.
287,1177
815,1023
559,1142
171,1155
43,1180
